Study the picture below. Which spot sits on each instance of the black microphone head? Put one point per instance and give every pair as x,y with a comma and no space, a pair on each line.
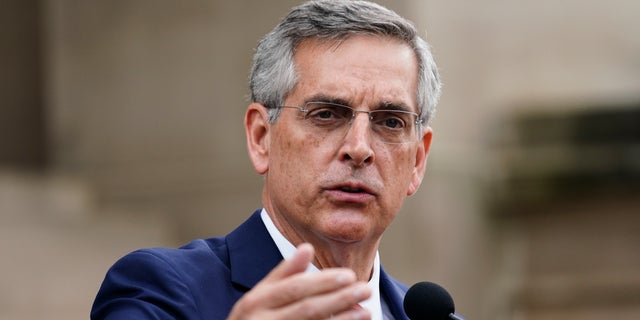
427,300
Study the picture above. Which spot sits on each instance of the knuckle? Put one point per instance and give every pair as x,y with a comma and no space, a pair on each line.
247,303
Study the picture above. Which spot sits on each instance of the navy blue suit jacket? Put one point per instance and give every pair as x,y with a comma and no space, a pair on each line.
201,280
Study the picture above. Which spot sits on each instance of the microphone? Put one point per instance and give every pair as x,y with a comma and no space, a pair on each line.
427,300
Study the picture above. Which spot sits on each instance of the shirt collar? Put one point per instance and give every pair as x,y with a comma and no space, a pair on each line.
288,250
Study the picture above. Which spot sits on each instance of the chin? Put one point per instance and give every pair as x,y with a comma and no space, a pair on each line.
348,232
347,225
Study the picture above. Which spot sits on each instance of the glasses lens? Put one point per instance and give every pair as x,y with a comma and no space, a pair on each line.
393,126
328,115
389,126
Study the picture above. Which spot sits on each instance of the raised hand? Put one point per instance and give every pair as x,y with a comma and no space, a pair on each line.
287,292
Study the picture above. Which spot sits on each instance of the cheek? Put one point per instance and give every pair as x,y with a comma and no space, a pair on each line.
395,162
295,157
397,173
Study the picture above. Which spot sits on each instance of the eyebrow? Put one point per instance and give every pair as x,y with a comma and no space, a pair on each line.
388,105
384,105
327,98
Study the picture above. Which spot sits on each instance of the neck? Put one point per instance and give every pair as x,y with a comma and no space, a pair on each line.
358,256
355,256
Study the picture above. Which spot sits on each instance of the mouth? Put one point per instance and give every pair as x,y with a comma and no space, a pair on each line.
351,192
351,189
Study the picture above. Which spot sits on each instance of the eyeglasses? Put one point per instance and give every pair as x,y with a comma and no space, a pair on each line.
388,126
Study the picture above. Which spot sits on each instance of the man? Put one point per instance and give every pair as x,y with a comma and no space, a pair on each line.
342,92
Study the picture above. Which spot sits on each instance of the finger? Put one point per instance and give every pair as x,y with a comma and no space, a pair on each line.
276,290
303,285
352,314
296,264
337,303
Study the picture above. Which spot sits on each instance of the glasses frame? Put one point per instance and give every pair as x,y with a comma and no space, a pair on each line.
354,112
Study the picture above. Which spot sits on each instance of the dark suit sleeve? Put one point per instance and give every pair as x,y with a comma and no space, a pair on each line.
144,285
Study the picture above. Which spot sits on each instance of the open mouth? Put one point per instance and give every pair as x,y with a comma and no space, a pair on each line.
351,189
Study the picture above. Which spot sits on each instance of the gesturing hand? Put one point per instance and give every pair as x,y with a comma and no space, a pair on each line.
287,292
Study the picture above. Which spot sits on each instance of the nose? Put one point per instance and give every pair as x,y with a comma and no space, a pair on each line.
357,144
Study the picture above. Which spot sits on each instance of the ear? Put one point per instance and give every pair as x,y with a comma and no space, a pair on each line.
421,161
256,126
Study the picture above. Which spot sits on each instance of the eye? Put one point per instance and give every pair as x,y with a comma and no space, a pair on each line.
392,123
327,112
390,119
322,113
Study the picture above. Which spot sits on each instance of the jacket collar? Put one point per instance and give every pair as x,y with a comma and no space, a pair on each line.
252,252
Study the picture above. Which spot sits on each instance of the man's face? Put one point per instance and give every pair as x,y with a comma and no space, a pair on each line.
343,188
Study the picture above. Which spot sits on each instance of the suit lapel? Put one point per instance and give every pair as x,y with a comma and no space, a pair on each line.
252,252
393,292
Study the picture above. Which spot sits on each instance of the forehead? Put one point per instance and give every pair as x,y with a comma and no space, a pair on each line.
364,70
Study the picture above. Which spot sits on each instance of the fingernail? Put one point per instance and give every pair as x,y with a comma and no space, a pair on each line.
361,291
345,277
305,246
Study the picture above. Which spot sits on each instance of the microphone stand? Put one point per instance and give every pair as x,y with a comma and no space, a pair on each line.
454,316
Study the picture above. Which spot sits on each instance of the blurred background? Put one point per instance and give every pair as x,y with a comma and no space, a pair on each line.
121,128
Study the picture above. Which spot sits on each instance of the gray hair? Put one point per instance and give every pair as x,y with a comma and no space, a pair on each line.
273,74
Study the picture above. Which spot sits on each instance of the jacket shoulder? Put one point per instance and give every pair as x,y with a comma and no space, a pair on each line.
164,282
